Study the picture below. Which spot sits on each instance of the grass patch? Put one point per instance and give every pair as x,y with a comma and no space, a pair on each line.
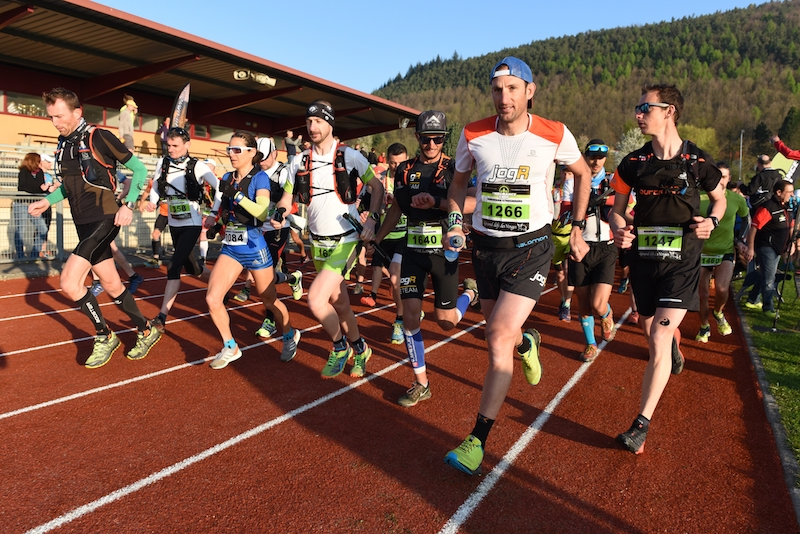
780,355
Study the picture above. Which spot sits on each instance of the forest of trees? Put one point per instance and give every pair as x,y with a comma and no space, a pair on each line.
738,70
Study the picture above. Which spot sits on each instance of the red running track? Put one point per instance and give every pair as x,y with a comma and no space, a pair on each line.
167,444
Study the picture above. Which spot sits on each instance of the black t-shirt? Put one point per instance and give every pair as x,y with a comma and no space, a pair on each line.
29,182
413,177
90,203
667,191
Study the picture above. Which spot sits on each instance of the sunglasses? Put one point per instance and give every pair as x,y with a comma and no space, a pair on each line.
597,148
438,140
238,149
647,106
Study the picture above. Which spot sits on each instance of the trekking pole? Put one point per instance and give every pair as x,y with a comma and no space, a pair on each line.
355,223
788,247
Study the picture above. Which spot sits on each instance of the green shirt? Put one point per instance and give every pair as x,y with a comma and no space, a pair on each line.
721,240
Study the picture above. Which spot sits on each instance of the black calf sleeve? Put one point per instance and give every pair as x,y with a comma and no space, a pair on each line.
126,302
88,305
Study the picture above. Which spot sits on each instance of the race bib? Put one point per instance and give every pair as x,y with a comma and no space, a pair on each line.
424,237
324,248
711,260
179,208
235,235
660,242
505,206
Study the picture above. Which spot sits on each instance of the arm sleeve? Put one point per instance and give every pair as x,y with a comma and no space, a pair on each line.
786,151
138,180
57,196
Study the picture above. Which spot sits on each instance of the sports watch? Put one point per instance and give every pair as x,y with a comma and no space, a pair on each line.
130,205
580,224
714,221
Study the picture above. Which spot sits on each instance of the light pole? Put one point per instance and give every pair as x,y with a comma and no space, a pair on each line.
741,138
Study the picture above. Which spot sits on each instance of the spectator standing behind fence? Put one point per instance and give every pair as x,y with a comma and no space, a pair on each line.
30,180
52,183
162,134
291,144
127,118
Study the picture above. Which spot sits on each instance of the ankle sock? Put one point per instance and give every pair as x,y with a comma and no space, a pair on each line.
482,427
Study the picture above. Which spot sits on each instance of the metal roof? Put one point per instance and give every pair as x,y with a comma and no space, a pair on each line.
101,53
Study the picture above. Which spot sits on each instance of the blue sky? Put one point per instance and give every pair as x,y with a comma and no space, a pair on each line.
362,44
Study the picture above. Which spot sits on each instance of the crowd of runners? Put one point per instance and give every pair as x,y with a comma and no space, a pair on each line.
519,192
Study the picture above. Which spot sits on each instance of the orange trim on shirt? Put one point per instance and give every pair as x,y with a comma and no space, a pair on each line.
619,184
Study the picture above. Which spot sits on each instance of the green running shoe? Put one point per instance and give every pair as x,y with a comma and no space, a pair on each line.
360,362
336,362
104,347
144,342
267,330
723,326
704,333
416,393
297,287
397,333
467,457
530,360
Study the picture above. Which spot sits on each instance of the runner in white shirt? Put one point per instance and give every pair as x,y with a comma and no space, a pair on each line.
514,154
335,245
170,185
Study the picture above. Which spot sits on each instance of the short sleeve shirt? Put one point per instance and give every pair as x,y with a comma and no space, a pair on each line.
721,240
514,173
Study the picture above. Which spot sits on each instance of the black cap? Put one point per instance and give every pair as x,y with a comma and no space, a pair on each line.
432,121
596,147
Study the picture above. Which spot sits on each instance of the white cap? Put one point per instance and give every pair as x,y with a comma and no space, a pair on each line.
266,146
47,157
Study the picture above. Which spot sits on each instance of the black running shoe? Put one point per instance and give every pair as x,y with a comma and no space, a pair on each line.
634,438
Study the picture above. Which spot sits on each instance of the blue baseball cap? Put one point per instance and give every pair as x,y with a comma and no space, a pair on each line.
514,67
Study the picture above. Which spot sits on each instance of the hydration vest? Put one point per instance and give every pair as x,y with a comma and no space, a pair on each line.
403,196
345,182
194,190
275,190
94,170
679,185
237,212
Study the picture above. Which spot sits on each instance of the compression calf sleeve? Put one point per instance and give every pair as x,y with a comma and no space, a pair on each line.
88,305
416,350
127,304
462,303
587,324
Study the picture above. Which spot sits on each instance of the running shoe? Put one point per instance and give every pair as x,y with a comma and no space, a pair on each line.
770,314
267,330
104,347
634,438
397,333
467,457
564,313
623,286
297,287
472,285
224,357
144,342
753,305
243,295
134,282
704,333
678,360
290,345
358,289
607,326
368,300
336,362
360,362
531,366
416,393
153,263
96,288
633,318
589,353
158,324
305,260
723,326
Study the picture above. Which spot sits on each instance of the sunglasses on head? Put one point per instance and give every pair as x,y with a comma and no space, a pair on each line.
424,139
597,148
180,132
238,149
647,106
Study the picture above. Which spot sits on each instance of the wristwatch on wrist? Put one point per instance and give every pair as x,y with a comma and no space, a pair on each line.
580,224
130,205
714,221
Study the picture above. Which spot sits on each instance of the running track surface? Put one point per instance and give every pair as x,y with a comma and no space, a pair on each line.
167,444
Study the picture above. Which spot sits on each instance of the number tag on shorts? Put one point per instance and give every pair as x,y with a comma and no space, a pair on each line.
660,242
711,260
235,235
179,208
324,248
424,237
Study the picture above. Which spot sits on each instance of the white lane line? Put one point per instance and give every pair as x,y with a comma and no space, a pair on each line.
183,464
163,371
465,510
59,290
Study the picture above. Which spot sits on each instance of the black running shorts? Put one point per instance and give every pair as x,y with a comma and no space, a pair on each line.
414,278
597,267
521,271
95,240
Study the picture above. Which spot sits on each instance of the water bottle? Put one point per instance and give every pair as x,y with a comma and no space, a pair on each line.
456,242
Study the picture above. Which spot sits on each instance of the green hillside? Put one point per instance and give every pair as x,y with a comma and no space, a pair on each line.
738,70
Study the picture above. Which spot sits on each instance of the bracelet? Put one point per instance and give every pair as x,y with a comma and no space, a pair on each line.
455,220
375,217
